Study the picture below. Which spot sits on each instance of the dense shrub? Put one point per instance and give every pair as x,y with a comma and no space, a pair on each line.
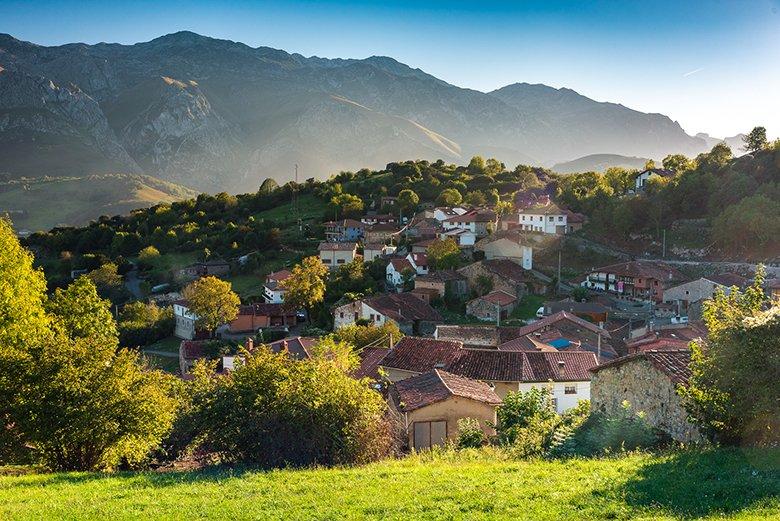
470,434
142,324
275,411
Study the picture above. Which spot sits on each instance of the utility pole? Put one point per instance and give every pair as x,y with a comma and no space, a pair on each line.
498,315
558,289
663,255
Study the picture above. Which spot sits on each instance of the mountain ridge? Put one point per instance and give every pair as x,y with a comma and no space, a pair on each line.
242,116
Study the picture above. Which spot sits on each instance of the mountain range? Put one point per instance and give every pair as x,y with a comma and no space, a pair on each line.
219,115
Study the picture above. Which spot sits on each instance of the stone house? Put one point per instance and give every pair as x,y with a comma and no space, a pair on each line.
216,268
443,281
335,254
491,307
649,381
505,275
381,233
641,280
508,246
411,314
373,251
429,406
689,296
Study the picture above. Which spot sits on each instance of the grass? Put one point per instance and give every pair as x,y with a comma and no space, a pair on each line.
527,307
731,484
169,344
310,207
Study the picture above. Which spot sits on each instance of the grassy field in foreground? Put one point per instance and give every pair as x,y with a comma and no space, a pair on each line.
714,484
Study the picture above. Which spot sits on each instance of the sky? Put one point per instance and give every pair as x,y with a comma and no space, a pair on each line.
711,65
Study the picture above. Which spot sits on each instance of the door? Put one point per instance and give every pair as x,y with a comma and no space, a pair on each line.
429,434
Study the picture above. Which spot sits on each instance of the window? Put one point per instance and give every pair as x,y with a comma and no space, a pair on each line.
371,317
326,261
341,314
339,261
522,217
429,434
570,389
560,218
550,218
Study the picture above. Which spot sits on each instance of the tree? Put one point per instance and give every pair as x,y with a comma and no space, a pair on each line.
621,180
81,313
305,287
522,410
369,335
733,389
755,140
268,186
408,201
346,205
444,254
677,163
148,253
649,164
449,197
108,281
213,301
476,165
475,198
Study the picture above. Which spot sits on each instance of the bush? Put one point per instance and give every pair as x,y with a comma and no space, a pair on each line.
275,411
143,324
470,434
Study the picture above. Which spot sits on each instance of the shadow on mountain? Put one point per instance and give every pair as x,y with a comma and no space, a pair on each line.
696,484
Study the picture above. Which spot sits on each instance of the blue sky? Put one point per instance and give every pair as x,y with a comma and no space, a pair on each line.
713,65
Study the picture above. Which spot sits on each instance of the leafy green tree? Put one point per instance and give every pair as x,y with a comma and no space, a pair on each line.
149,253
678,163
649,164
213,301
408,201
449,197
346,205
621,180
369,335
305,287
108,281
268,186
475,198
732,393
526,177
477,165
81,313
756,140
522,410
444,254
470,434
753,225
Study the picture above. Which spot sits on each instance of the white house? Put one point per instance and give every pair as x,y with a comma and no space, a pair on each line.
375,251
185,320
442,213
463,238
641,179
273,292
394,273
419,262
335,254
545,217
479,222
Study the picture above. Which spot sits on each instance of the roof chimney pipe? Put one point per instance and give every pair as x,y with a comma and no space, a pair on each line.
561,365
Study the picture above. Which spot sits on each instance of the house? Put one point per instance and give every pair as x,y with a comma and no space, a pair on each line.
273,292
422,246
370,358
396,271
190,351
641,280
649,381
509,245
544,217
216,268
504,274
443,281
373,251
773,289
381,233
563,332
431,404
463,238
493,307
388,201
411,314
595,312
574,221
423,228
476,336
370,220
299,347
666,337
566,373
689,296
641,178
334,254
427,295
419,262
344,230
254,317
479,222
185,321
442,213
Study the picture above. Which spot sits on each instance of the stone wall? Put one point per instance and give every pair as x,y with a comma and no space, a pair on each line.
648,390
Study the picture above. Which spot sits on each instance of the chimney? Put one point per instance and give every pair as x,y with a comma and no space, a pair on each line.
561,364
249,344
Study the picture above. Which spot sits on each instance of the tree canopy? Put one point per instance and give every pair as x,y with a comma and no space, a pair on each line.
213,301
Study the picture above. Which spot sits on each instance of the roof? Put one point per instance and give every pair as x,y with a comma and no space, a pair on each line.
383,227
279,276
337,246
473,217
498,297
643,269
299,347
192,349
773,283
418,355
402,264
673,363
436,386
426,291
419,259
728,280
441,276
489,364
373,246
548,322
505,268
657,171
559,366
403,307
370,359
548,208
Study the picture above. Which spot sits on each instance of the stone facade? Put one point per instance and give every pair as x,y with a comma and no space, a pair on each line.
647,389
473,271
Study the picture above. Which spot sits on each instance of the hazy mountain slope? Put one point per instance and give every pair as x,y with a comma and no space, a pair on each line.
41,204
599,163
220,115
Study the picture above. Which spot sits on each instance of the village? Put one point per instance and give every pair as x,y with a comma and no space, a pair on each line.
615,334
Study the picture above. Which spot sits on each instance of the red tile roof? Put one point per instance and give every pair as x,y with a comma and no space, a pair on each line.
498,297
337,246
419,355
298,347
264,309
547,322
505,268
370,359
728,280
477,217
279,276
441,276
560,366
436,386
400,265
489,364
675,364
403,307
